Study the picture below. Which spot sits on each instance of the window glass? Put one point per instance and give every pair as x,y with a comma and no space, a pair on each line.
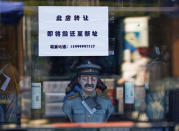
139,77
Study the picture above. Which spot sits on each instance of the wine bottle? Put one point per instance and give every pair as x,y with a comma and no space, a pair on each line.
36,110
129,98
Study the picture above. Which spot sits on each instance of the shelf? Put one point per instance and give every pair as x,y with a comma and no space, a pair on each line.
121,124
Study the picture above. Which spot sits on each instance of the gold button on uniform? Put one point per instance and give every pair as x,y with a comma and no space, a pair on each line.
89,115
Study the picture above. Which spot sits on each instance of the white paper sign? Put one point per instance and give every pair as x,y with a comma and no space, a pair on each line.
73,31
36,95
136,31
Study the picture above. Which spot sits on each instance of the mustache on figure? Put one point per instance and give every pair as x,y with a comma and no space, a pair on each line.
89,85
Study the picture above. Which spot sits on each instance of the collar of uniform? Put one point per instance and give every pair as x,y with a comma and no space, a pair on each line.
84,95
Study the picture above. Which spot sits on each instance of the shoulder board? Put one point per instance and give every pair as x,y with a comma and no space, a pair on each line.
103,95
72,96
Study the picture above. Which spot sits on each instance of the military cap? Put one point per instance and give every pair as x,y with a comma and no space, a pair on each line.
88,68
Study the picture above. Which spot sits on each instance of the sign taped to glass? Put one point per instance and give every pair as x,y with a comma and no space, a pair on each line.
73,31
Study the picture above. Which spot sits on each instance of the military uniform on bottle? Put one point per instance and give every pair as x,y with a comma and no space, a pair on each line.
86,105
81,108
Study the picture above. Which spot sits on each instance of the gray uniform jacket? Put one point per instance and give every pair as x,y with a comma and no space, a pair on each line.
77,112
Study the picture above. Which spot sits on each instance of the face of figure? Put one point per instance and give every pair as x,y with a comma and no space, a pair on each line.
88,82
